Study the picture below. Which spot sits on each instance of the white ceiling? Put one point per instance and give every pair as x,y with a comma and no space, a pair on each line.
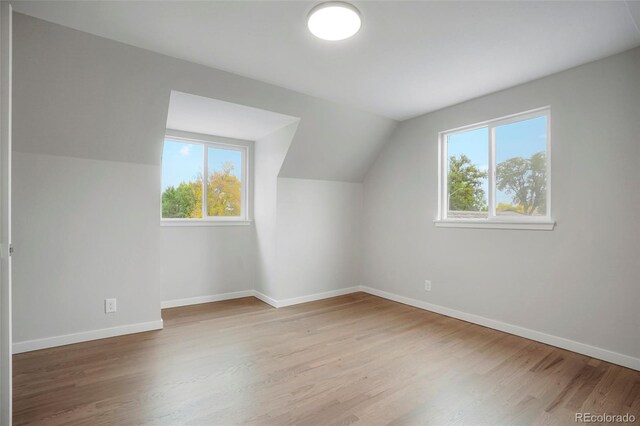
198,114
409,57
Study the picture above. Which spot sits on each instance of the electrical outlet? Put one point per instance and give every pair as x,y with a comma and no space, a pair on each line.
427,285
109,306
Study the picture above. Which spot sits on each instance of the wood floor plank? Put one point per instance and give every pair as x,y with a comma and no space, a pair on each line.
354,359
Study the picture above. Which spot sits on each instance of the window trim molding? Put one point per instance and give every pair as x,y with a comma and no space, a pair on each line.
492,221
204,222
245,147
537,225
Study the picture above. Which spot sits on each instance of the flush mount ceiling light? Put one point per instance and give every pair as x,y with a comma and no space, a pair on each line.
334,20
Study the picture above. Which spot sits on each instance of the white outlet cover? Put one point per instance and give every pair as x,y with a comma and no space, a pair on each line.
110,306
427,285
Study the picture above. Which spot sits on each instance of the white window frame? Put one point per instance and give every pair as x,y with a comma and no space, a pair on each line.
493,220
209,141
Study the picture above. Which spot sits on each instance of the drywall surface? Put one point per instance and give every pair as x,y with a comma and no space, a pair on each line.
81,241
318,236
5,213
270,152
89,121
206,260
579,281
307,231
100,99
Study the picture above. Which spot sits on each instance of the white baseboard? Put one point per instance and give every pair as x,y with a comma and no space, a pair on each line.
85,336
205,299
266,299
317,296
560,342
304,299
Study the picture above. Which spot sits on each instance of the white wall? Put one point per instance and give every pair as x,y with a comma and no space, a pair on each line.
89,120
580,281
318,236
307,230
80,242
270,152
198,261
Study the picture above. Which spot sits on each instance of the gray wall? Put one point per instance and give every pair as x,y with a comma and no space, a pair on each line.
85,234
318,235
89,120
100,99
5,228
580,281
205,260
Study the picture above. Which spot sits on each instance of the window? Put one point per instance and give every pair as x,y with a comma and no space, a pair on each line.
203,181
496,173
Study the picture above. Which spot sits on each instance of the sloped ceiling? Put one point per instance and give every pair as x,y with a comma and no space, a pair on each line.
79,95
408,59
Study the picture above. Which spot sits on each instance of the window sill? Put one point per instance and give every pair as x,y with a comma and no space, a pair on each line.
483,224
169,222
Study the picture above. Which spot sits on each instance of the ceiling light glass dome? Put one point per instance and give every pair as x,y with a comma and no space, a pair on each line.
334,21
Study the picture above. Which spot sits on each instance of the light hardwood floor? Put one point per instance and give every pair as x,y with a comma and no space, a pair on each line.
354,359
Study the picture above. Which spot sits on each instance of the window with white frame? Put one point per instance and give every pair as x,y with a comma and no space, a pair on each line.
497,171
203,181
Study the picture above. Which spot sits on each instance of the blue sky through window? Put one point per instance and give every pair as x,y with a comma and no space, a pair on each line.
519,139
183,161
218,157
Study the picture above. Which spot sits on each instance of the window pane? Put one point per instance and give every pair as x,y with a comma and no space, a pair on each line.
182,165
521,168
468,162
224,188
